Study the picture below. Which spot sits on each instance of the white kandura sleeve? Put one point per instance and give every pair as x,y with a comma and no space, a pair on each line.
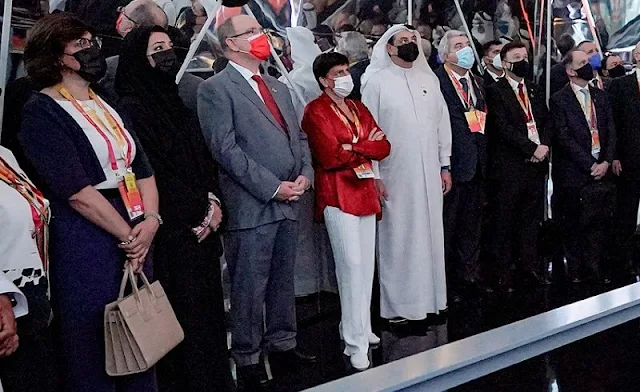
7,287
371,99
444,132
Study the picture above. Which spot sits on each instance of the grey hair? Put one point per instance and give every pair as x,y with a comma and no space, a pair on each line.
146,14
354,46
443,46
224,31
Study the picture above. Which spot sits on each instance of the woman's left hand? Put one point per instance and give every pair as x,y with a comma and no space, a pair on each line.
143,234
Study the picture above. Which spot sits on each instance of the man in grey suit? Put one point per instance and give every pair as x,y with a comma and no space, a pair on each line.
250,125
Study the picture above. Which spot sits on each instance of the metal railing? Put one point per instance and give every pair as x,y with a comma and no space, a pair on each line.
465,360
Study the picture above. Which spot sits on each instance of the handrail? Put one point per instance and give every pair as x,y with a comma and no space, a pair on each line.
465,360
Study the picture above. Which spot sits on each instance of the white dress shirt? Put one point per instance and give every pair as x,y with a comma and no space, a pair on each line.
248,75
467,77
494,76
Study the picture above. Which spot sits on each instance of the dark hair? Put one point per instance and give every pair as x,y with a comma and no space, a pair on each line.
565,43
45,46
323,64
487,47
568,58
606,57
509,47
345,28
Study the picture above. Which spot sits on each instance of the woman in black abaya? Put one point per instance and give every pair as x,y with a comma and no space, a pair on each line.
187,246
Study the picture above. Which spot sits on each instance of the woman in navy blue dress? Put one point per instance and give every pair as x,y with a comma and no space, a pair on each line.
81,152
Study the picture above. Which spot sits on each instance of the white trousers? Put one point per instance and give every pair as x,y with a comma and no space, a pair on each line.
353,243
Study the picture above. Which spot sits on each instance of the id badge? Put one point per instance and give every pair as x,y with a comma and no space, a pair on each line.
476,119
131,195
532,132
364,171
595,143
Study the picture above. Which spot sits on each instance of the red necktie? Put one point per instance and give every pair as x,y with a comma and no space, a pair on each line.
270,102
523,99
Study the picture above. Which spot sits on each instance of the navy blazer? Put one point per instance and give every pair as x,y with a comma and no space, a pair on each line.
468,150
572,159
61,153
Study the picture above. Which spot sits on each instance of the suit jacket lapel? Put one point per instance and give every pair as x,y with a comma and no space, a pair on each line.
280,97
246,90
573,101
511,99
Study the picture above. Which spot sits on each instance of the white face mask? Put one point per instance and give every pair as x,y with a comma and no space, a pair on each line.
497,61
343,86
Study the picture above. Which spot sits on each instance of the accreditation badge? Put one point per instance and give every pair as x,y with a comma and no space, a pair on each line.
532,132
364,171
131,195
476,119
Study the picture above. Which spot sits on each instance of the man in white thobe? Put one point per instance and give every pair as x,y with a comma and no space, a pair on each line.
404,96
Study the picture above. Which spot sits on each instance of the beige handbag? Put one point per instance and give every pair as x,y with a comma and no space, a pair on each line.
139,329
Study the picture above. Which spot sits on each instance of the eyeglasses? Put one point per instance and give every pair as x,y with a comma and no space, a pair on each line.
84,43
121,11
254,31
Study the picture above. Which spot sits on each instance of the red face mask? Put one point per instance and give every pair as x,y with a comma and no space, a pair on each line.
260,47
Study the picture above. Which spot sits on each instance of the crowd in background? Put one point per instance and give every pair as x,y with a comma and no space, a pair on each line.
419,162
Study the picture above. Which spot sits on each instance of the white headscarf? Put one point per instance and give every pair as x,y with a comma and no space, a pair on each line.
303,52
380,58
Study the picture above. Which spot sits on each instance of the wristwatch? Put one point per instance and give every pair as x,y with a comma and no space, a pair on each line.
12,299
153,215
445,169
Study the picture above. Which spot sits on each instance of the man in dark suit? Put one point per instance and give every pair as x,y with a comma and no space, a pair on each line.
559,77
491,56
252,130
463,206
625,101
584,148
518,150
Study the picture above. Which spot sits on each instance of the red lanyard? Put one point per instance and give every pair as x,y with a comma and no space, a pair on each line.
354,126
466,98
115,130
525,103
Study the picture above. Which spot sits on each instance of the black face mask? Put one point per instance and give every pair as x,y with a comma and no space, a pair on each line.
617,71
93,66
585,72
408,52
165,60
520,68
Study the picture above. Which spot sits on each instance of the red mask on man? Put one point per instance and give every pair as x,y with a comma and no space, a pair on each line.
259,46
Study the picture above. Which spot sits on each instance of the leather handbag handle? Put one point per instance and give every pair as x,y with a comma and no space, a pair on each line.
125,279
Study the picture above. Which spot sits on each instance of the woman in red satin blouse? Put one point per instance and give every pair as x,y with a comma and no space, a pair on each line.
345,140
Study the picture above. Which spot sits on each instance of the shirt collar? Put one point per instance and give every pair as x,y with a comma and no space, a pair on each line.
243,71
515,85
577,88
493,75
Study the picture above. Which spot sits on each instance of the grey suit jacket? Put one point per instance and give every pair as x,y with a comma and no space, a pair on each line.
253,152
187,88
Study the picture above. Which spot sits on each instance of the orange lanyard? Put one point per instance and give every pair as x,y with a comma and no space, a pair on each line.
114,128
39,211
352,125
589,111
467,99
526,103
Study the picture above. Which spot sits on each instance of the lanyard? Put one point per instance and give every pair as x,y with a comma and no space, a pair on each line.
40,213
526,103
114,128
589,111
467,99
352,125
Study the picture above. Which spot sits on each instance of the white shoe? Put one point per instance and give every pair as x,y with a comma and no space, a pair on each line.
374,339
360,361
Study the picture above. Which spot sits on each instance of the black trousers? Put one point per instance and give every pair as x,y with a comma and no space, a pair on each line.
587,218
463,214
518,212
628,198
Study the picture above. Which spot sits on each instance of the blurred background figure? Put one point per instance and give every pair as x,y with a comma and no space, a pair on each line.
612,67
354,46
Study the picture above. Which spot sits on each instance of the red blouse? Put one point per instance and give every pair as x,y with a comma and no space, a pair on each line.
336,183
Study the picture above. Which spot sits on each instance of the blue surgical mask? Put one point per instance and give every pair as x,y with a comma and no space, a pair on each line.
596,61
465,57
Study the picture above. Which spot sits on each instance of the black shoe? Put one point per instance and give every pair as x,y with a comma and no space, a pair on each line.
252,378
292,357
